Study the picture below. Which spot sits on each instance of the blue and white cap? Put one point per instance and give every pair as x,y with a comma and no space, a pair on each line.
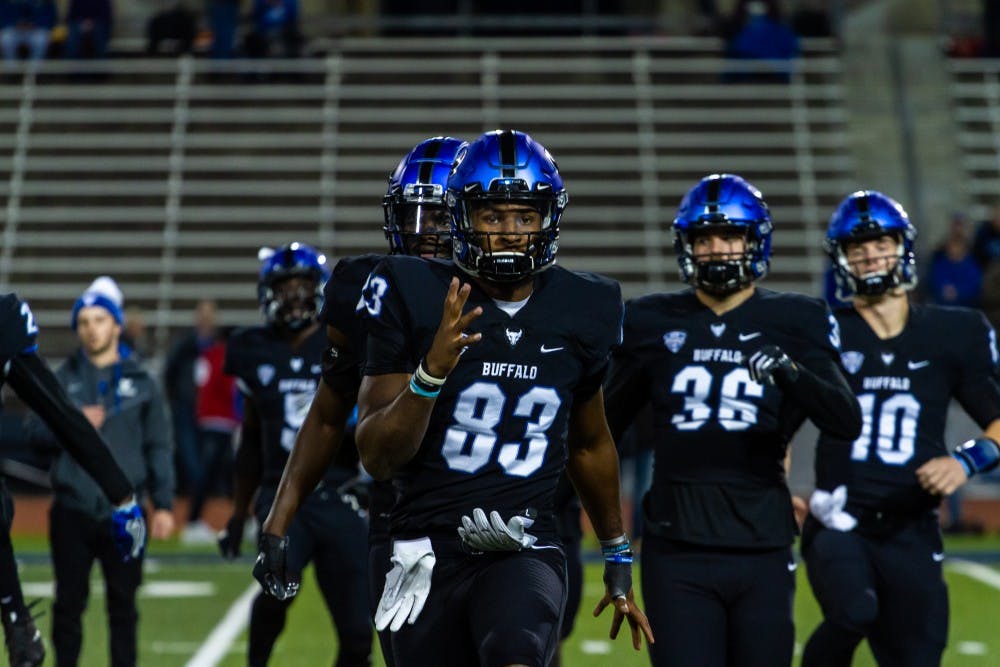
105,293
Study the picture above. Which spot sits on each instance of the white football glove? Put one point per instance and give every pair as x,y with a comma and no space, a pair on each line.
828,508
492,534
407,584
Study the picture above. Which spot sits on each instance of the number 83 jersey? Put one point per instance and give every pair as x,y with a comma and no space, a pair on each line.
904,385
497,432
719,437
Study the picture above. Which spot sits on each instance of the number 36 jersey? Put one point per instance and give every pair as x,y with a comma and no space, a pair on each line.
497,433
904,385
719,437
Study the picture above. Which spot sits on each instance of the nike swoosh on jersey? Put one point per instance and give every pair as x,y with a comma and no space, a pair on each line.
750,336
793,566
546,350
937,556
916,365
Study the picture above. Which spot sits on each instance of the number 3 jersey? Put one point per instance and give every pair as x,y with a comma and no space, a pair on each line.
904,385
497,433
281,383
720,438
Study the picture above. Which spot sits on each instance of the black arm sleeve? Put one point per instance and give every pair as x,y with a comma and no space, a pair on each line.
825,397
36,385
625,393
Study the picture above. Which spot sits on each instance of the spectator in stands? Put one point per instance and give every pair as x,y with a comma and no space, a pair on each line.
986,243
124,403
181,391
173,28
218,416
758,31
224,18
954,278
276,29
88,23
26,23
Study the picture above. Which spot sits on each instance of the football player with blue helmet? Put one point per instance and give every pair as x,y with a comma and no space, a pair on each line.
278,367
476,408
872,541
414,207
731,370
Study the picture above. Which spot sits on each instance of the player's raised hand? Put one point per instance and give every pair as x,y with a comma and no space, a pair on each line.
450,339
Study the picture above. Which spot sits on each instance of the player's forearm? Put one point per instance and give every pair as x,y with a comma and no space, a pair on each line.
389,437
316,444
829,403
37,386
594,473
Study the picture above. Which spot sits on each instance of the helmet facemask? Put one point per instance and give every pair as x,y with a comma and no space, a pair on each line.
293,301
719,274
417,222
888,274
506,256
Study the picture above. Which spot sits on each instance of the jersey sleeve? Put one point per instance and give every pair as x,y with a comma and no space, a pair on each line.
19,333
626,391
384,312
605,335
978,390
238,361
819,333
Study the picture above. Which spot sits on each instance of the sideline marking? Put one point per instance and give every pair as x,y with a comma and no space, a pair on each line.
980,573
216,646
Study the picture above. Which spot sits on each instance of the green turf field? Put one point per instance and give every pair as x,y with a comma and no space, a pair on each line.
186,598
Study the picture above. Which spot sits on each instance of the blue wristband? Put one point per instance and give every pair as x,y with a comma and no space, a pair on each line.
420,391
978,455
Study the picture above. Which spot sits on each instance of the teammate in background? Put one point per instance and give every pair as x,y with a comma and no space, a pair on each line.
416,223
278,367
730,376
26,373
469,412
872,543
123,401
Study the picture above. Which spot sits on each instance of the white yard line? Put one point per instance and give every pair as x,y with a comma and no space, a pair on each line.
981,573
217,644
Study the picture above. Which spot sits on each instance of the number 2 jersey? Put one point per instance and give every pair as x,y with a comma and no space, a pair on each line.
904,385
496,439
18,332
281,383
720,438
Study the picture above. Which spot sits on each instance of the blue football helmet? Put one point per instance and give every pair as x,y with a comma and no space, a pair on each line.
417,222
505,167
863,216
719,203
296,309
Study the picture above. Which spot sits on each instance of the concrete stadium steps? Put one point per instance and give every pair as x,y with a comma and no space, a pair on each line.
170,174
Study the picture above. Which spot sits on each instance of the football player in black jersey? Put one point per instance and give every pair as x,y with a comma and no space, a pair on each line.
731,371
416,223
469,410
278,368
872,542
28,375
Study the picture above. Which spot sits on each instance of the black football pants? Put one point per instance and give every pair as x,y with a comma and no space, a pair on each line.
718,608
889,589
